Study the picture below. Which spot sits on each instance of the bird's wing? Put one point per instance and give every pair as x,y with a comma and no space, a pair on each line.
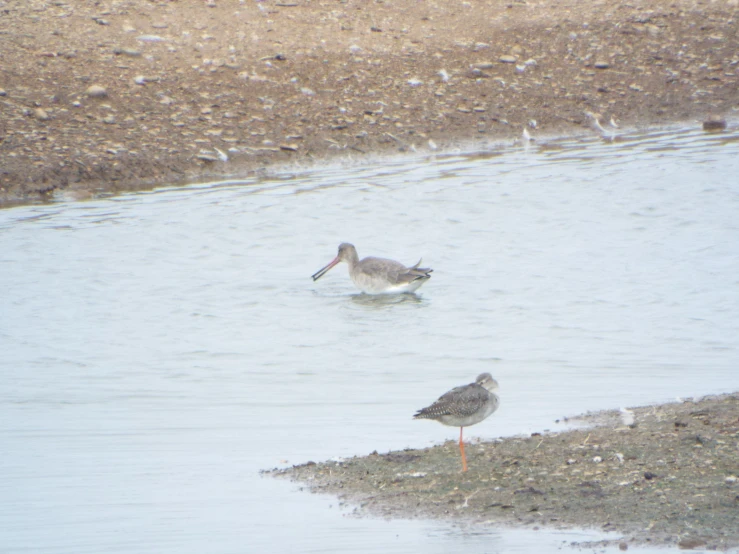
394,272
460,401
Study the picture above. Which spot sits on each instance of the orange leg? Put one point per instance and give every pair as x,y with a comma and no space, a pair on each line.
461,450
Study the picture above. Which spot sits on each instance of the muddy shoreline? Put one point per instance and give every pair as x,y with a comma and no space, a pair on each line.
100,97
669,476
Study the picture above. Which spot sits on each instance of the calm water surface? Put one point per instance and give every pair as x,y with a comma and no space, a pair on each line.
159,349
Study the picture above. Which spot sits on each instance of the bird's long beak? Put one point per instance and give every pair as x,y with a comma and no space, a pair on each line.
321,272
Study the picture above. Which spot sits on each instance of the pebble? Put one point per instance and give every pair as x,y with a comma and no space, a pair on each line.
143,79
2,92
126,52
109,119
597,460
289,147
96,91
150,38
508,58
601,65
714,123
690,543
482,65
731,479
41,115
210,158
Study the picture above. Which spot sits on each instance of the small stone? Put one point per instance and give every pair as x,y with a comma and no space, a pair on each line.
96,91
143,79
648,475
2,92
714,123
571,461
690,543
597,460
41,115
601,65
109,119
731,479
508,58
482,65
150,38
130,52
208,158
289,147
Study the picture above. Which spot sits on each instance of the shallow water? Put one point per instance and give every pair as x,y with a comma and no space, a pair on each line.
160,348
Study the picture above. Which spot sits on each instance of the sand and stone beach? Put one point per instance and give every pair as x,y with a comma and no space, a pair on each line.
99,97
661,475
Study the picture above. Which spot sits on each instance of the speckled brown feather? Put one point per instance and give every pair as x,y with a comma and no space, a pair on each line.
461,401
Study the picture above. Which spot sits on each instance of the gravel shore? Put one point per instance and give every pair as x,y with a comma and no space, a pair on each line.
98,97
661,475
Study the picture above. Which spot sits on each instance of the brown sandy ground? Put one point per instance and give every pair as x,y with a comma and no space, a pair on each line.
177,83
667,478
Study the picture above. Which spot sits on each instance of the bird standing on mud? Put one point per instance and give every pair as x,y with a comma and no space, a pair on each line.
378,275
464,406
